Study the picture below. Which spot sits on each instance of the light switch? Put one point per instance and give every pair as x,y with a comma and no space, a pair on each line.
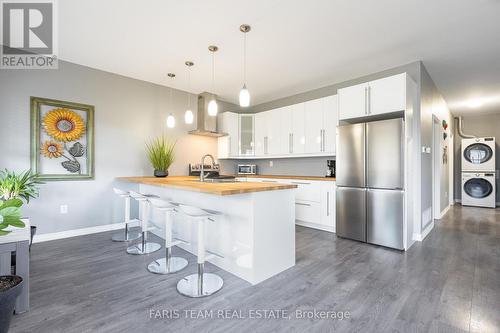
271,164
63,209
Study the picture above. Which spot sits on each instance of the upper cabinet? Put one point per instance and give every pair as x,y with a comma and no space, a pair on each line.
228,146
375,97
304,129
246,139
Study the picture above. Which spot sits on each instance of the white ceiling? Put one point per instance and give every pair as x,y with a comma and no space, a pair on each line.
294,45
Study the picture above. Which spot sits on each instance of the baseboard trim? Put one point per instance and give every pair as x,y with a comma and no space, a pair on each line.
420,237
443,213
315,226
77,232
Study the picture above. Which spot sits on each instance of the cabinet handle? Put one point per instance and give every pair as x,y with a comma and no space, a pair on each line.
291,141
265,145
301,183
323,140
302,204
369,100
366,100
327,203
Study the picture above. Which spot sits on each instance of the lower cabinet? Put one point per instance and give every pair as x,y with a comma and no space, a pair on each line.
314,202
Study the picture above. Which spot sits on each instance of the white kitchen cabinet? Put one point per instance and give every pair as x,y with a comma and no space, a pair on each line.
298,129
228,146
387,94
373,98
313,111
352,101
273,132
330,123
314,201
246,138
260,133
286,130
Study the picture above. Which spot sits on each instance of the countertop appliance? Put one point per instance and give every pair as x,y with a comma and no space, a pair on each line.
478,189
330,168
211,171
370,182
478,154
247,169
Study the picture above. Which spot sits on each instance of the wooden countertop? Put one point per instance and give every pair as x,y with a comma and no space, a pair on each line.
189,183
330,179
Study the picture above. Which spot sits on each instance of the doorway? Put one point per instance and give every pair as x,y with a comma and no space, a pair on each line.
436,168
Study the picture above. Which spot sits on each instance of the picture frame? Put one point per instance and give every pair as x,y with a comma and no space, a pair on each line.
62,139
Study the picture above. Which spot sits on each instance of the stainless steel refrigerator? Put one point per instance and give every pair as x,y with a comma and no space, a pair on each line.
370,182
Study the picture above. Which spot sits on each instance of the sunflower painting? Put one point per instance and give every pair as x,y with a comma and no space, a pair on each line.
62,139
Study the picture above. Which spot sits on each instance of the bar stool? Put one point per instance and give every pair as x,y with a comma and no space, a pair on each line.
127,235
201,284
144,247
168,264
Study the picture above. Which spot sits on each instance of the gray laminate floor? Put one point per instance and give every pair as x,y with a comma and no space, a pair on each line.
448,283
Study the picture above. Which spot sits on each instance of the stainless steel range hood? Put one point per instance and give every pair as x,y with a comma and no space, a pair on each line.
206,125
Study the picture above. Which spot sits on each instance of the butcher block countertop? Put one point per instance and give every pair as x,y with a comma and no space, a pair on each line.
331,179
189,183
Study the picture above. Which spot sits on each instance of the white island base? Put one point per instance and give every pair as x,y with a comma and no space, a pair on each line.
255,233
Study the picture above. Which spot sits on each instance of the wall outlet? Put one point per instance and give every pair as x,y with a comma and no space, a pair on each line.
63,209
271,164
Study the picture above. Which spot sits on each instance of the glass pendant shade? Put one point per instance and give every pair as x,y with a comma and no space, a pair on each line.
244,96
212,108
170,121
188,117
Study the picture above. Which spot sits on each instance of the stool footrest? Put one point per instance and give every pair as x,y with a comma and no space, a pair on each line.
132,221
178,241
212,255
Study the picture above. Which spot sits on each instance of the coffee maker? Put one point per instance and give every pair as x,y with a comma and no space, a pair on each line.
330,170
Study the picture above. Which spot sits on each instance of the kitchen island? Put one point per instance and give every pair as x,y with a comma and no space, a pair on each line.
254,235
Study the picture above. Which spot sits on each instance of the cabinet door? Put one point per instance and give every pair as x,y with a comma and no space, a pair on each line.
286,130
330,123
273,132
260,133
387,94
313,112
246,134
328,205
352,101
232,125
298,129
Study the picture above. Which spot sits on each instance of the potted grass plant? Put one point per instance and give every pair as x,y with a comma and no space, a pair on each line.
10,285
161,155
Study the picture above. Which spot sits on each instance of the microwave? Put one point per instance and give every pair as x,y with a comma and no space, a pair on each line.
247,169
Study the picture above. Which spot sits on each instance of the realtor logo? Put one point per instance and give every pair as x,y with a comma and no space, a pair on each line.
28,35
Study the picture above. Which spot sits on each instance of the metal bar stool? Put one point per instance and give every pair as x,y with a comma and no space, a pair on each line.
127,235
144,247
201,284
168,264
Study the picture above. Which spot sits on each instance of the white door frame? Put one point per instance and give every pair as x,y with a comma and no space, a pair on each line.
436,167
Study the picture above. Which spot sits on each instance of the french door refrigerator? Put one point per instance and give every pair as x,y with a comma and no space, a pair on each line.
370,182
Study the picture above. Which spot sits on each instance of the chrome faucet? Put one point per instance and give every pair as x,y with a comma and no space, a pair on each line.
202,173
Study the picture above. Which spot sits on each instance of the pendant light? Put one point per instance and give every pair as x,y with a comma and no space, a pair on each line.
171,118
212,105
188,115
244,93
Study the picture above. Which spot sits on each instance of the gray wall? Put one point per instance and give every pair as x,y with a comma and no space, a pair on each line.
310,166
127,113
304,166
481,126
432,103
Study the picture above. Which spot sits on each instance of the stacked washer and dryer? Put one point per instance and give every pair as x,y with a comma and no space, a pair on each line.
478,172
